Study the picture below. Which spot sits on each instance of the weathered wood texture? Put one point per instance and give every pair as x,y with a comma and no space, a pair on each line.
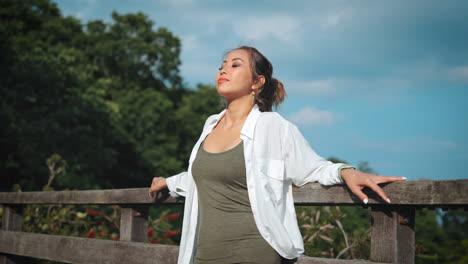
134,224
85,250
450,193
406,236
12,221
115,196
392,235
310,260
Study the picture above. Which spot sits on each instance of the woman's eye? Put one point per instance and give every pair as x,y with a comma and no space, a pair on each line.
234,66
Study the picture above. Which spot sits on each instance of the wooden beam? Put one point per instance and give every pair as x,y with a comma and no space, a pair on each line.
89,250
392,235
406,236
134,224
102,197
311,260
12,220
85,250
451,193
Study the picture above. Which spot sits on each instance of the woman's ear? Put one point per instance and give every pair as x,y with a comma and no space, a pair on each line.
259,82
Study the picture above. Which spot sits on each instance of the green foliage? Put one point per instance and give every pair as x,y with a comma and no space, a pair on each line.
335,232
99,222
105,97
444,240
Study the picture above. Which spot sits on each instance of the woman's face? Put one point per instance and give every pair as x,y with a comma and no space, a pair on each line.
234,78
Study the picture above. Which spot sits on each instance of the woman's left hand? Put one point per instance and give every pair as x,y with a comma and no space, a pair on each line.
357,180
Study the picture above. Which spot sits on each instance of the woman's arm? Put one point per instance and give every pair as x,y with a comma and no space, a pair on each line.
176,185
303,165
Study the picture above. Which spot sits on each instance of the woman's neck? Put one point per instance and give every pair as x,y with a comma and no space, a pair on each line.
236,112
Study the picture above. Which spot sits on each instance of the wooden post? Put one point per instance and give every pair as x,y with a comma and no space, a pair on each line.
134,224
392,235
12,220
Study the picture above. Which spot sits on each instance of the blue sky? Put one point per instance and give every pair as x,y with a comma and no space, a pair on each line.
378,81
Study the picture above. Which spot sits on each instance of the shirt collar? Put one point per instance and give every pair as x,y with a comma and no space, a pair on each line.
248,128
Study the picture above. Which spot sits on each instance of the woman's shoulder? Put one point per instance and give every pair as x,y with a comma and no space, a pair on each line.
273,118
273,121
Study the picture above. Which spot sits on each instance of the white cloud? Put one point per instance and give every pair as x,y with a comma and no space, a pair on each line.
324,87
335,19
189,42
376,89
281,27
196,71
310,116
417,144
85,12
180,3
459,74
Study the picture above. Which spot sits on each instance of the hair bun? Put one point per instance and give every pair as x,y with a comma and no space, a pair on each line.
272,92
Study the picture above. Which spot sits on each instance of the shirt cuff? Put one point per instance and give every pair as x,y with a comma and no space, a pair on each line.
344,167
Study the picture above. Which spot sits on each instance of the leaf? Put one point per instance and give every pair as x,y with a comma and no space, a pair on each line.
328,239
81,215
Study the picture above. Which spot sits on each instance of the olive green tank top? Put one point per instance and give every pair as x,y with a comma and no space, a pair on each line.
227,231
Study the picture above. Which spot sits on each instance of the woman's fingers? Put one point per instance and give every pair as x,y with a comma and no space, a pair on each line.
357,190
382,179
153,187
378,190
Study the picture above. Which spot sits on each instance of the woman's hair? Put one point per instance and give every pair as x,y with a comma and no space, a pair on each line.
272,92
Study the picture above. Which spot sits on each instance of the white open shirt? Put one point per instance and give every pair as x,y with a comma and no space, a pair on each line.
276,156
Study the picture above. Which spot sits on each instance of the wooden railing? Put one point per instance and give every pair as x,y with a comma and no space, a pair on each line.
392,235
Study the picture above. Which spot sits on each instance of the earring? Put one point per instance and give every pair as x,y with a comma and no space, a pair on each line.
253,97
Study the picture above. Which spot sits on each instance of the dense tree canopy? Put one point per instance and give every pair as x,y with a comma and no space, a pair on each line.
106,97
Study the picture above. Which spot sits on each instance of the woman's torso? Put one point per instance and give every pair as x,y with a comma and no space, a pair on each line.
227,231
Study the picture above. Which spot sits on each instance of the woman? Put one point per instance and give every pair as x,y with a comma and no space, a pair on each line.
239,206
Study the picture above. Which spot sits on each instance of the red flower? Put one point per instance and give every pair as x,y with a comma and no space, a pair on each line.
91,212
155,242
172,217
91,233
170,233
101,234
150,232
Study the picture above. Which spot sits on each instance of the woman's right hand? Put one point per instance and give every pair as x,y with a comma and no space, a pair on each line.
157,185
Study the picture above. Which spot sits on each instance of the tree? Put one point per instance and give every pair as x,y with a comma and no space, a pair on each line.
103,96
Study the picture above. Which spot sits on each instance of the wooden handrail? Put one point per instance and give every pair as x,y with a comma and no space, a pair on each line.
451,193
392,235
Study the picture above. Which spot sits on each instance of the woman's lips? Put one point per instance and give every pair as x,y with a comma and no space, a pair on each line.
222,80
